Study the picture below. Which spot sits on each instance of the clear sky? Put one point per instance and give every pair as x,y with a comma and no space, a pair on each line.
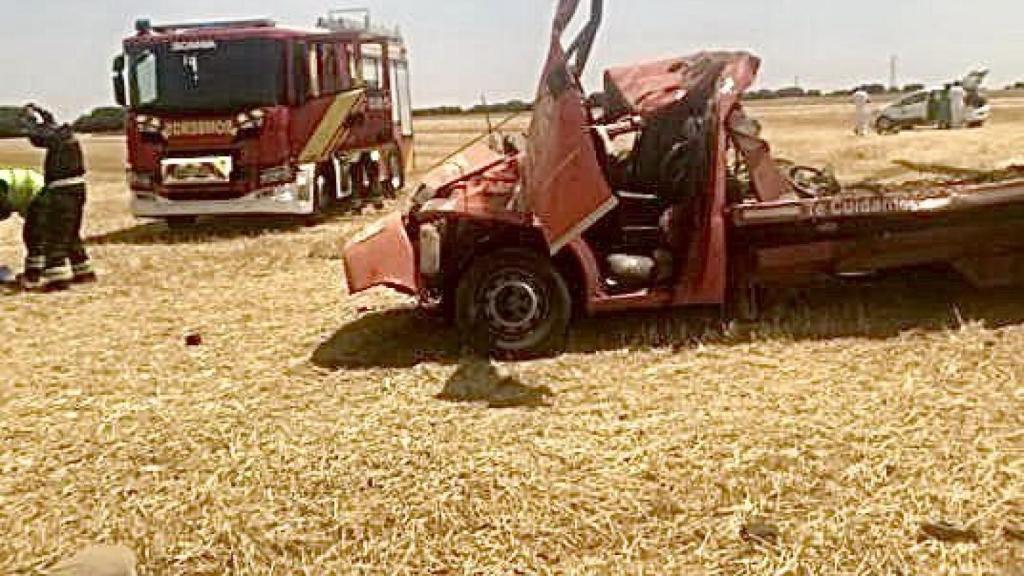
58,52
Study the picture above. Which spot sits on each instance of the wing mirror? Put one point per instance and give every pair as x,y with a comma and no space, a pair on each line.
120,94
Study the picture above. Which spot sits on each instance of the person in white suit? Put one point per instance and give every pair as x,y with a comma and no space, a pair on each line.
862,100
958,105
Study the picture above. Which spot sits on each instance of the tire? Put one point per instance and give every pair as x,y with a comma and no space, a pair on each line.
324,194
181,222
513,304
396,172
885,125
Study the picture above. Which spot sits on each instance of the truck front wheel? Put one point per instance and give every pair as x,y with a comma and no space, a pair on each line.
513,304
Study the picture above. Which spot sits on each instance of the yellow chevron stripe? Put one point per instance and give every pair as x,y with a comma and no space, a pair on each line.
329,131
410,158
410,162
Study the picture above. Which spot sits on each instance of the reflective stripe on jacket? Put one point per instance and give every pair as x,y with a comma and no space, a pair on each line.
22,187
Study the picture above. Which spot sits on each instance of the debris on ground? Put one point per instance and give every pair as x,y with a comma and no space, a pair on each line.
1014,533
760,532
948,532
949,179
479,380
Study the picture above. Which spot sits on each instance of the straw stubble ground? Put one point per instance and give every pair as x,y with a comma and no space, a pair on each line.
308,434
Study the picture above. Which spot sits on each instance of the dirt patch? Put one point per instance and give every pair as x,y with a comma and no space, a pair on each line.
317,432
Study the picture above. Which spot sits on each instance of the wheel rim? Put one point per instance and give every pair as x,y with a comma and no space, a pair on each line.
514,304
319,192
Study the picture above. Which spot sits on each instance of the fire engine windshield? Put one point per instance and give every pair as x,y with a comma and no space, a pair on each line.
205,75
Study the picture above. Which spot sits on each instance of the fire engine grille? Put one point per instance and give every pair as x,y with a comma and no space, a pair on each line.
202,195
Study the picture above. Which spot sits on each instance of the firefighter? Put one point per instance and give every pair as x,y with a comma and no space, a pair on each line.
934,105
20,191
945,108
53,236
862,100
958,105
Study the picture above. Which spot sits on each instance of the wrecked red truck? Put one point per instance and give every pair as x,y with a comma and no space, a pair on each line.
664,196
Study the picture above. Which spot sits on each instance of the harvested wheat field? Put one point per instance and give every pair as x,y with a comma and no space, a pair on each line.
313,432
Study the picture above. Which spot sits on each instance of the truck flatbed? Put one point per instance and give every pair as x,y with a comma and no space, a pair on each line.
978,228
919,198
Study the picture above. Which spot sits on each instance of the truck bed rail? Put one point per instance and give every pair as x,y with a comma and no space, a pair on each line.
860,204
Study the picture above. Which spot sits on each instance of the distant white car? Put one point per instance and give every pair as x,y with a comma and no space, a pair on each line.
912,111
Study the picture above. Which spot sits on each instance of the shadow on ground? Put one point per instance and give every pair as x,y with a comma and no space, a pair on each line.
207,230
400,338
885,307
406,337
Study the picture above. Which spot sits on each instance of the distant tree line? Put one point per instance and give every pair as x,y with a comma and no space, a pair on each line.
789,92
597,99
106,119
101,120
509,107
110,119
10,127
797,92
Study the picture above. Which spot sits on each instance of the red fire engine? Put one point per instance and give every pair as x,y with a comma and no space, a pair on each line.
249,117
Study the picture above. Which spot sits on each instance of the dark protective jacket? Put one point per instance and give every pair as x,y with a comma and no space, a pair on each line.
64,160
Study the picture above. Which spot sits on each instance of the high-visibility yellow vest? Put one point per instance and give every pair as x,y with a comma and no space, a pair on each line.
23,186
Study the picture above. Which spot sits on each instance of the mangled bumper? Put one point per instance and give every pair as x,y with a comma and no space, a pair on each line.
382,255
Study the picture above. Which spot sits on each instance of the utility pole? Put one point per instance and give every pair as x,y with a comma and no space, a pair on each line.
893,62
490,127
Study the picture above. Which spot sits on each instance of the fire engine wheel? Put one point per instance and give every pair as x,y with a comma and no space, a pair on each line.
396,173
324,197
513,304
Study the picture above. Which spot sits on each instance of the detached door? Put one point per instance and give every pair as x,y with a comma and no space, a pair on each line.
565,188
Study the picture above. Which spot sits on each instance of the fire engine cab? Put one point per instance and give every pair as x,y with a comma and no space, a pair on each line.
248,117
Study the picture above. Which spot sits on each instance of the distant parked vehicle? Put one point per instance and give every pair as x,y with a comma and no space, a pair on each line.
914,110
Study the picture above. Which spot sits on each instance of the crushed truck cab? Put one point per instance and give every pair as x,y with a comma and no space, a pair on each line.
662,195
